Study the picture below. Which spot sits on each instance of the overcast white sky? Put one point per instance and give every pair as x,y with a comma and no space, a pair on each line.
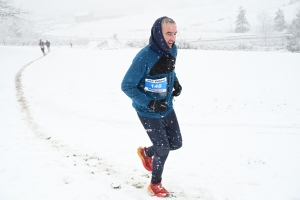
113,7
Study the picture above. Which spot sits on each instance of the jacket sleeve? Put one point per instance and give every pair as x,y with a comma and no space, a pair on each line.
175,77
131,80
174,53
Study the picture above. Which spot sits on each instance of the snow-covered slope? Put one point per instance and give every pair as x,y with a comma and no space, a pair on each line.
194,18
71,132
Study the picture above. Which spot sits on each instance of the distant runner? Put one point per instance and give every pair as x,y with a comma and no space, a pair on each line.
48,45
42,46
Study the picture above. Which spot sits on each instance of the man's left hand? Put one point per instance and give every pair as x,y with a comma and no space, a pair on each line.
177,88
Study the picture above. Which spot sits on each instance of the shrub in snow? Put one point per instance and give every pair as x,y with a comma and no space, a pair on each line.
294,45
110,44
182,44
137,43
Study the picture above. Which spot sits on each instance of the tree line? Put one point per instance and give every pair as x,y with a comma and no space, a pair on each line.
268,25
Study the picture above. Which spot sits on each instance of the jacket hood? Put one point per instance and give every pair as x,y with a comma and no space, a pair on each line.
157,41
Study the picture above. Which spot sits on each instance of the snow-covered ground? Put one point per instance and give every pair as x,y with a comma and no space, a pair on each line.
68,132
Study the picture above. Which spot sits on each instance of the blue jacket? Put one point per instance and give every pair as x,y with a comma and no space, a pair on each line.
142,83
151,75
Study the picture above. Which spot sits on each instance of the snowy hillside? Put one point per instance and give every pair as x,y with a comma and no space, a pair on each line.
195,19
201,25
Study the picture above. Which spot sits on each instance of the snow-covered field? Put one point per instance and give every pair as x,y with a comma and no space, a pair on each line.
68,132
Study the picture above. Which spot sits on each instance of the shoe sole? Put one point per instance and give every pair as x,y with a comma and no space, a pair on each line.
139,150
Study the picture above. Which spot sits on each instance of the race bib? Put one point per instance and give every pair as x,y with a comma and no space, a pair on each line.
156,85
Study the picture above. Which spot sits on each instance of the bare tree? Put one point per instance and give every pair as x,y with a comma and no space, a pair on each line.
265,26
7,10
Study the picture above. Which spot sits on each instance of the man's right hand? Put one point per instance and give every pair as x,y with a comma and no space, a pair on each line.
158,106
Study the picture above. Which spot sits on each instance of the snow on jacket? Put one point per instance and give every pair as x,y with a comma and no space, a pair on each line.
151,75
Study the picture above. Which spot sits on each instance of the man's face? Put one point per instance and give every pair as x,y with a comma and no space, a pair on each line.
169,32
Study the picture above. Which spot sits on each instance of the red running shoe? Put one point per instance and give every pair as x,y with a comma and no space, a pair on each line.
147,161
158,190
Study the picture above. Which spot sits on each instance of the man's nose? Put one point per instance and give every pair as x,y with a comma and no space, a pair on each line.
173,37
